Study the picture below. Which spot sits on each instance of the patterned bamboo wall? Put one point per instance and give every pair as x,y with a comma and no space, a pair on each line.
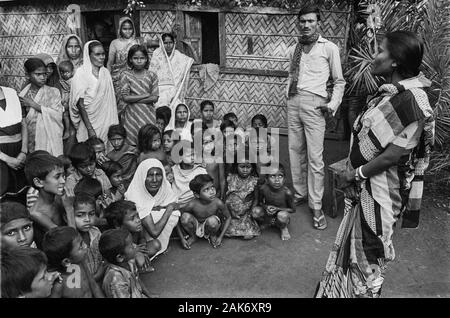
31,28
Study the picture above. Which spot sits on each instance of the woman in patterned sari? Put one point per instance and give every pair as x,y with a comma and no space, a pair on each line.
172,68
139,90
390,148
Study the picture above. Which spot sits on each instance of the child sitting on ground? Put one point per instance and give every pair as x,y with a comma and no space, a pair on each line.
99,149
242,198
46,173
24,274
200,217
184,172
83,160
276,202
149,143
66,253
16,227
123,215
85,216
121,277
163,115
168,144
122,152
114,170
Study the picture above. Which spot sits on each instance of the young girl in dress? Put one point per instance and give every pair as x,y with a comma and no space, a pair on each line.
118,50
149,143
44,110
139,93
242,199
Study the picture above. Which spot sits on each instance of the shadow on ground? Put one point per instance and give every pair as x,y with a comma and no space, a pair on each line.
269,267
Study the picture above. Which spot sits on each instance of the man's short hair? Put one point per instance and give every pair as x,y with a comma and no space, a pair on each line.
312,8
19,268
57,245
39,165
112,243
116,211
199,181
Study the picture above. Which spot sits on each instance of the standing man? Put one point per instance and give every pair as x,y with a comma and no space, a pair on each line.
312,62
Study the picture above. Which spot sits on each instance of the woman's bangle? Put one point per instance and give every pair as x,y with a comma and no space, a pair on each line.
359,170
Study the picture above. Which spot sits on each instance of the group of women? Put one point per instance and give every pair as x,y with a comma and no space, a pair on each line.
390,147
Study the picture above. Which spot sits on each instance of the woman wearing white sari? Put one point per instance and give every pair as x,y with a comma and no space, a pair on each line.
92,103
172,68
155,201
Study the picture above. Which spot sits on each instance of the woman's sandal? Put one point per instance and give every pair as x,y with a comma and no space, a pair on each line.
317,224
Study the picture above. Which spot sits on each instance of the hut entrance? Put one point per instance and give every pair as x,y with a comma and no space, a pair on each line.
102,26
203,31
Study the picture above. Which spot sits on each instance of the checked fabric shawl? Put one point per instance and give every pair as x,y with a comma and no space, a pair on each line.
400,115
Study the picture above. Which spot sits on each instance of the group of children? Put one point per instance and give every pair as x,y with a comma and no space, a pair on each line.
83,236
81,232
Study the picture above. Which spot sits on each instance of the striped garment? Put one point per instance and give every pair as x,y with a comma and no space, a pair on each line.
400,115
136,115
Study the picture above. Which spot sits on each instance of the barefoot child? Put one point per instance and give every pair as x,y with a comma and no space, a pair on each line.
200,217
123,215
16,226
149,143
46,173
24,274
121,277
276,201
66,253
242,199
85,217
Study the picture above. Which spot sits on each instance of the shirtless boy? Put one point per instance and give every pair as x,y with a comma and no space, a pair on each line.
200,216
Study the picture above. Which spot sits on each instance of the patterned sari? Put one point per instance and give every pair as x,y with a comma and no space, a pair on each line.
399,115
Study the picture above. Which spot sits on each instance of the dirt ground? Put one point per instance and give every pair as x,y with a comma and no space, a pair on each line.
268,267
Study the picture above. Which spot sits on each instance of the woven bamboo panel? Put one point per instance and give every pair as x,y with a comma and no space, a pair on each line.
30,45
29,6
156,22
32,24
242,94
272,35
15,82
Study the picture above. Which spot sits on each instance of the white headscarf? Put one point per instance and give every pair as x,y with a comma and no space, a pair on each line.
138,193
100,102
185,132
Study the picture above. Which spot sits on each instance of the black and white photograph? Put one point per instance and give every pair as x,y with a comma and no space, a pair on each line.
225,155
